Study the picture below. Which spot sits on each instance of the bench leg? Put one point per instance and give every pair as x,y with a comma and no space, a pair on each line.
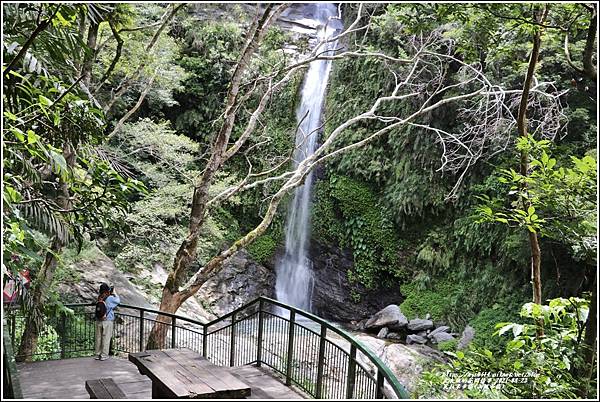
157,392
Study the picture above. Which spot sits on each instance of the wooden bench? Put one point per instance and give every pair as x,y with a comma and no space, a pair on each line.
104,388
182,373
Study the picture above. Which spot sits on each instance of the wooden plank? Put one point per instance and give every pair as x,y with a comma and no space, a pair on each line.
60,379
112,388
170,379
218,378
263,383
104,388
96,390
66,379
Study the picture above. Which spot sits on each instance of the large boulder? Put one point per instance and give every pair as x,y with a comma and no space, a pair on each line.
87,274
441,337
240,281
383,333
419,324
413,338
394,336
406,362
442,328
390,317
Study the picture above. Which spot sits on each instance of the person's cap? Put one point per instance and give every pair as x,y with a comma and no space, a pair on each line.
104,288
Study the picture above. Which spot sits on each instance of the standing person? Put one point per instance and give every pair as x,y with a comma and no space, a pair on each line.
105,317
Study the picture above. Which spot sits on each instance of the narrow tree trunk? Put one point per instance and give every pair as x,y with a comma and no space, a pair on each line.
129,80
34,317
89,58
590,44
534,244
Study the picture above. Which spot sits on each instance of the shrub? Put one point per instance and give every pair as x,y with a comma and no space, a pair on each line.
547,363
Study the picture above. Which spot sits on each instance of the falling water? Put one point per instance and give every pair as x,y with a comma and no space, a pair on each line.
294,274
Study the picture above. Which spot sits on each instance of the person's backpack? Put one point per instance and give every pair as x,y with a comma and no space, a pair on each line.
100,310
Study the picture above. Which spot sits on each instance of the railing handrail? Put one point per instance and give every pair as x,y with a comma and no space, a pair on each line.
394,383
382,369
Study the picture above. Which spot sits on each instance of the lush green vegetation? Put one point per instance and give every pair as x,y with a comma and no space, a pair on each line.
552,365
112,114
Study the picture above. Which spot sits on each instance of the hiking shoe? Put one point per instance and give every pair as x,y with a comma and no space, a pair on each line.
98,357
102,358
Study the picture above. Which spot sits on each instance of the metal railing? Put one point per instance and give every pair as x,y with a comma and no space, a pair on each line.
307,351
10,380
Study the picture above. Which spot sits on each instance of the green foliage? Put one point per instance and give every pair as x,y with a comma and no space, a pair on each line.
419,302
448,346
348,212
209,53
484,323
262,249
167,162
549,362
560,200
54,181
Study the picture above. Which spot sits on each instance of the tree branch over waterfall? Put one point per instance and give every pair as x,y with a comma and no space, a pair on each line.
422,83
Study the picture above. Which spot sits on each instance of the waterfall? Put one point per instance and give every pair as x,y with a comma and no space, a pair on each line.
294,271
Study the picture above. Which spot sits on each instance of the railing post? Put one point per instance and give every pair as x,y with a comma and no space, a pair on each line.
379,394
319,390
173,331
141,331
204,339
260,333
13,322
232,344
290,351
351,373
63,334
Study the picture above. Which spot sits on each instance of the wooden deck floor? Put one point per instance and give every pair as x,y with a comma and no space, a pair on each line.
65,379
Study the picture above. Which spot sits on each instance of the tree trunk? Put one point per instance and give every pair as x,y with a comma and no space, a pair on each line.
534,245
34,316
122,88
173,297
588,65
89,58
133,109
169,303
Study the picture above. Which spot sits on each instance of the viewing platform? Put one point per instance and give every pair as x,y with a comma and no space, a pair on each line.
264,349
65,379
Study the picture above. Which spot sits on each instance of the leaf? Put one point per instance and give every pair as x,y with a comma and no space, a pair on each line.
18,133
59,163
10,116
45,101
517,329
31,137
505,329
